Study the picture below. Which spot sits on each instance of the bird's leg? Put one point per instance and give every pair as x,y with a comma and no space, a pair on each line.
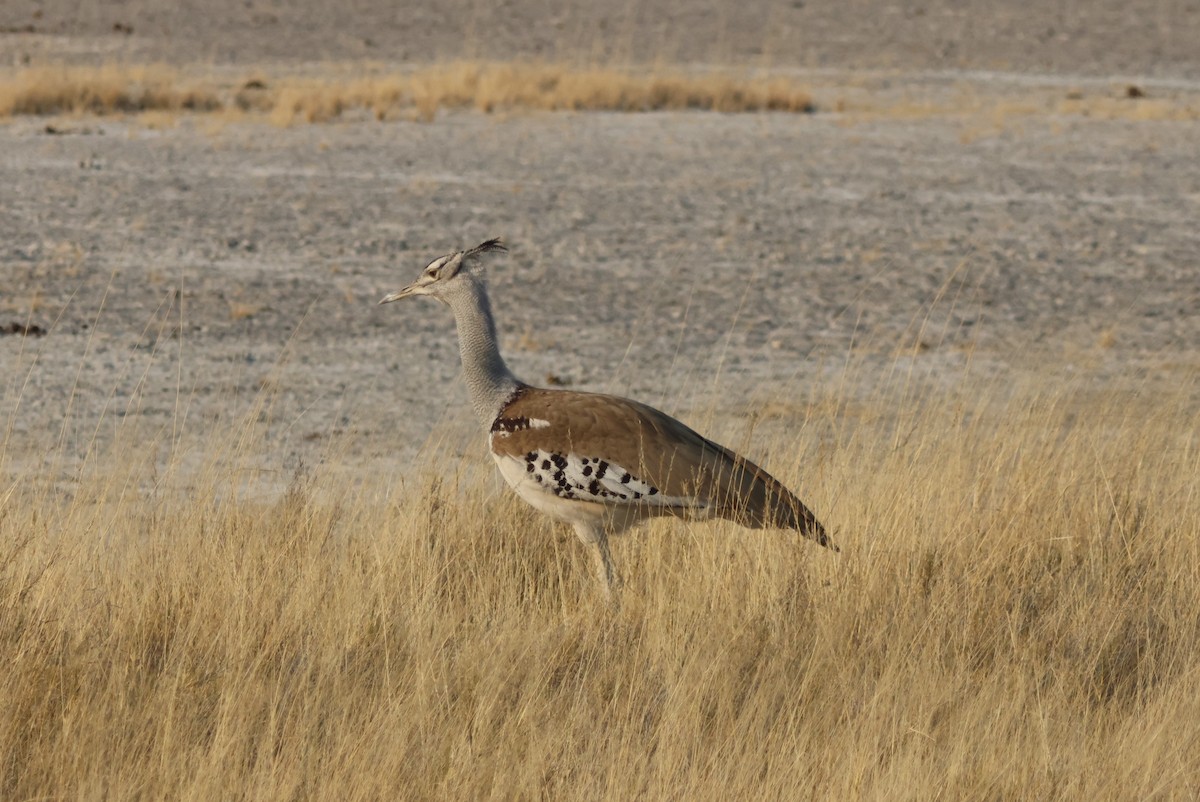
596,537
606,569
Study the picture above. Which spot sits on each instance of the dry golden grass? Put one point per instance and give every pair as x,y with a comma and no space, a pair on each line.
1013,616
101,90
421,92
241,310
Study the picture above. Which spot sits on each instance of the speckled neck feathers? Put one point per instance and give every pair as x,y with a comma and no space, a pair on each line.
489,381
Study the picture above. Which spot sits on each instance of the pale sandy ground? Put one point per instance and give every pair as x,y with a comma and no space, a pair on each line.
649,251
1142,38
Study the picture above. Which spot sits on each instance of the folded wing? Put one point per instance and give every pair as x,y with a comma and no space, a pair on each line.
619,451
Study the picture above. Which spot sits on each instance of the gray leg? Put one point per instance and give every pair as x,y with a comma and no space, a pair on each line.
606,568
596,537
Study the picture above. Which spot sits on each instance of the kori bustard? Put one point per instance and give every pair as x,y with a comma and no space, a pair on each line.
598,462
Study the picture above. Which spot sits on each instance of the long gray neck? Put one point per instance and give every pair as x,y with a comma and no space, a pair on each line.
489,381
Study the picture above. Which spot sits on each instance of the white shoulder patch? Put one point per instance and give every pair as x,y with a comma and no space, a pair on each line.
503,427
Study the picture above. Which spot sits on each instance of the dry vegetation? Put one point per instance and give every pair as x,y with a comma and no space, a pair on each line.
1013,616
370,90
103,90
421,92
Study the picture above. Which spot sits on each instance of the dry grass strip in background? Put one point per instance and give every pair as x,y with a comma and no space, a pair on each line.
421,92
381,93
374,91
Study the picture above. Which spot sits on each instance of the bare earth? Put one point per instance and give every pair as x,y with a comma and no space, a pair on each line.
1143,38
183,270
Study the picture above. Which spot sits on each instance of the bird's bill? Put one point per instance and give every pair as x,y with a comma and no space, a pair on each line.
411,289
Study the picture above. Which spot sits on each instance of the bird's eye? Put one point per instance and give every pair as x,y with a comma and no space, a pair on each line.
431,272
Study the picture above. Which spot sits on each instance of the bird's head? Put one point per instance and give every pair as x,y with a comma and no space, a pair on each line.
447,274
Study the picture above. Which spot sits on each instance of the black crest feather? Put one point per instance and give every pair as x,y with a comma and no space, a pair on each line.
486,247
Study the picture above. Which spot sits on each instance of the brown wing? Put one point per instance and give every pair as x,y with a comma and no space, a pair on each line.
655,449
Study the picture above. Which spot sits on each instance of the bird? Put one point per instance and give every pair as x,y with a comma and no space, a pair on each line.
600,463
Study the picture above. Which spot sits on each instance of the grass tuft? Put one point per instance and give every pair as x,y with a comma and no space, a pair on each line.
104,90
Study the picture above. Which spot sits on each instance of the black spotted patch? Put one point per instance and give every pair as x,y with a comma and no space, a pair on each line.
590,479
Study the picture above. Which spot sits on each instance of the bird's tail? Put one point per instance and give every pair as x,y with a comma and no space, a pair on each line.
760,501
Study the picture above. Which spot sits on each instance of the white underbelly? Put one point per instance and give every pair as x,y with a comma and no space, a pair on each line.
539,496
